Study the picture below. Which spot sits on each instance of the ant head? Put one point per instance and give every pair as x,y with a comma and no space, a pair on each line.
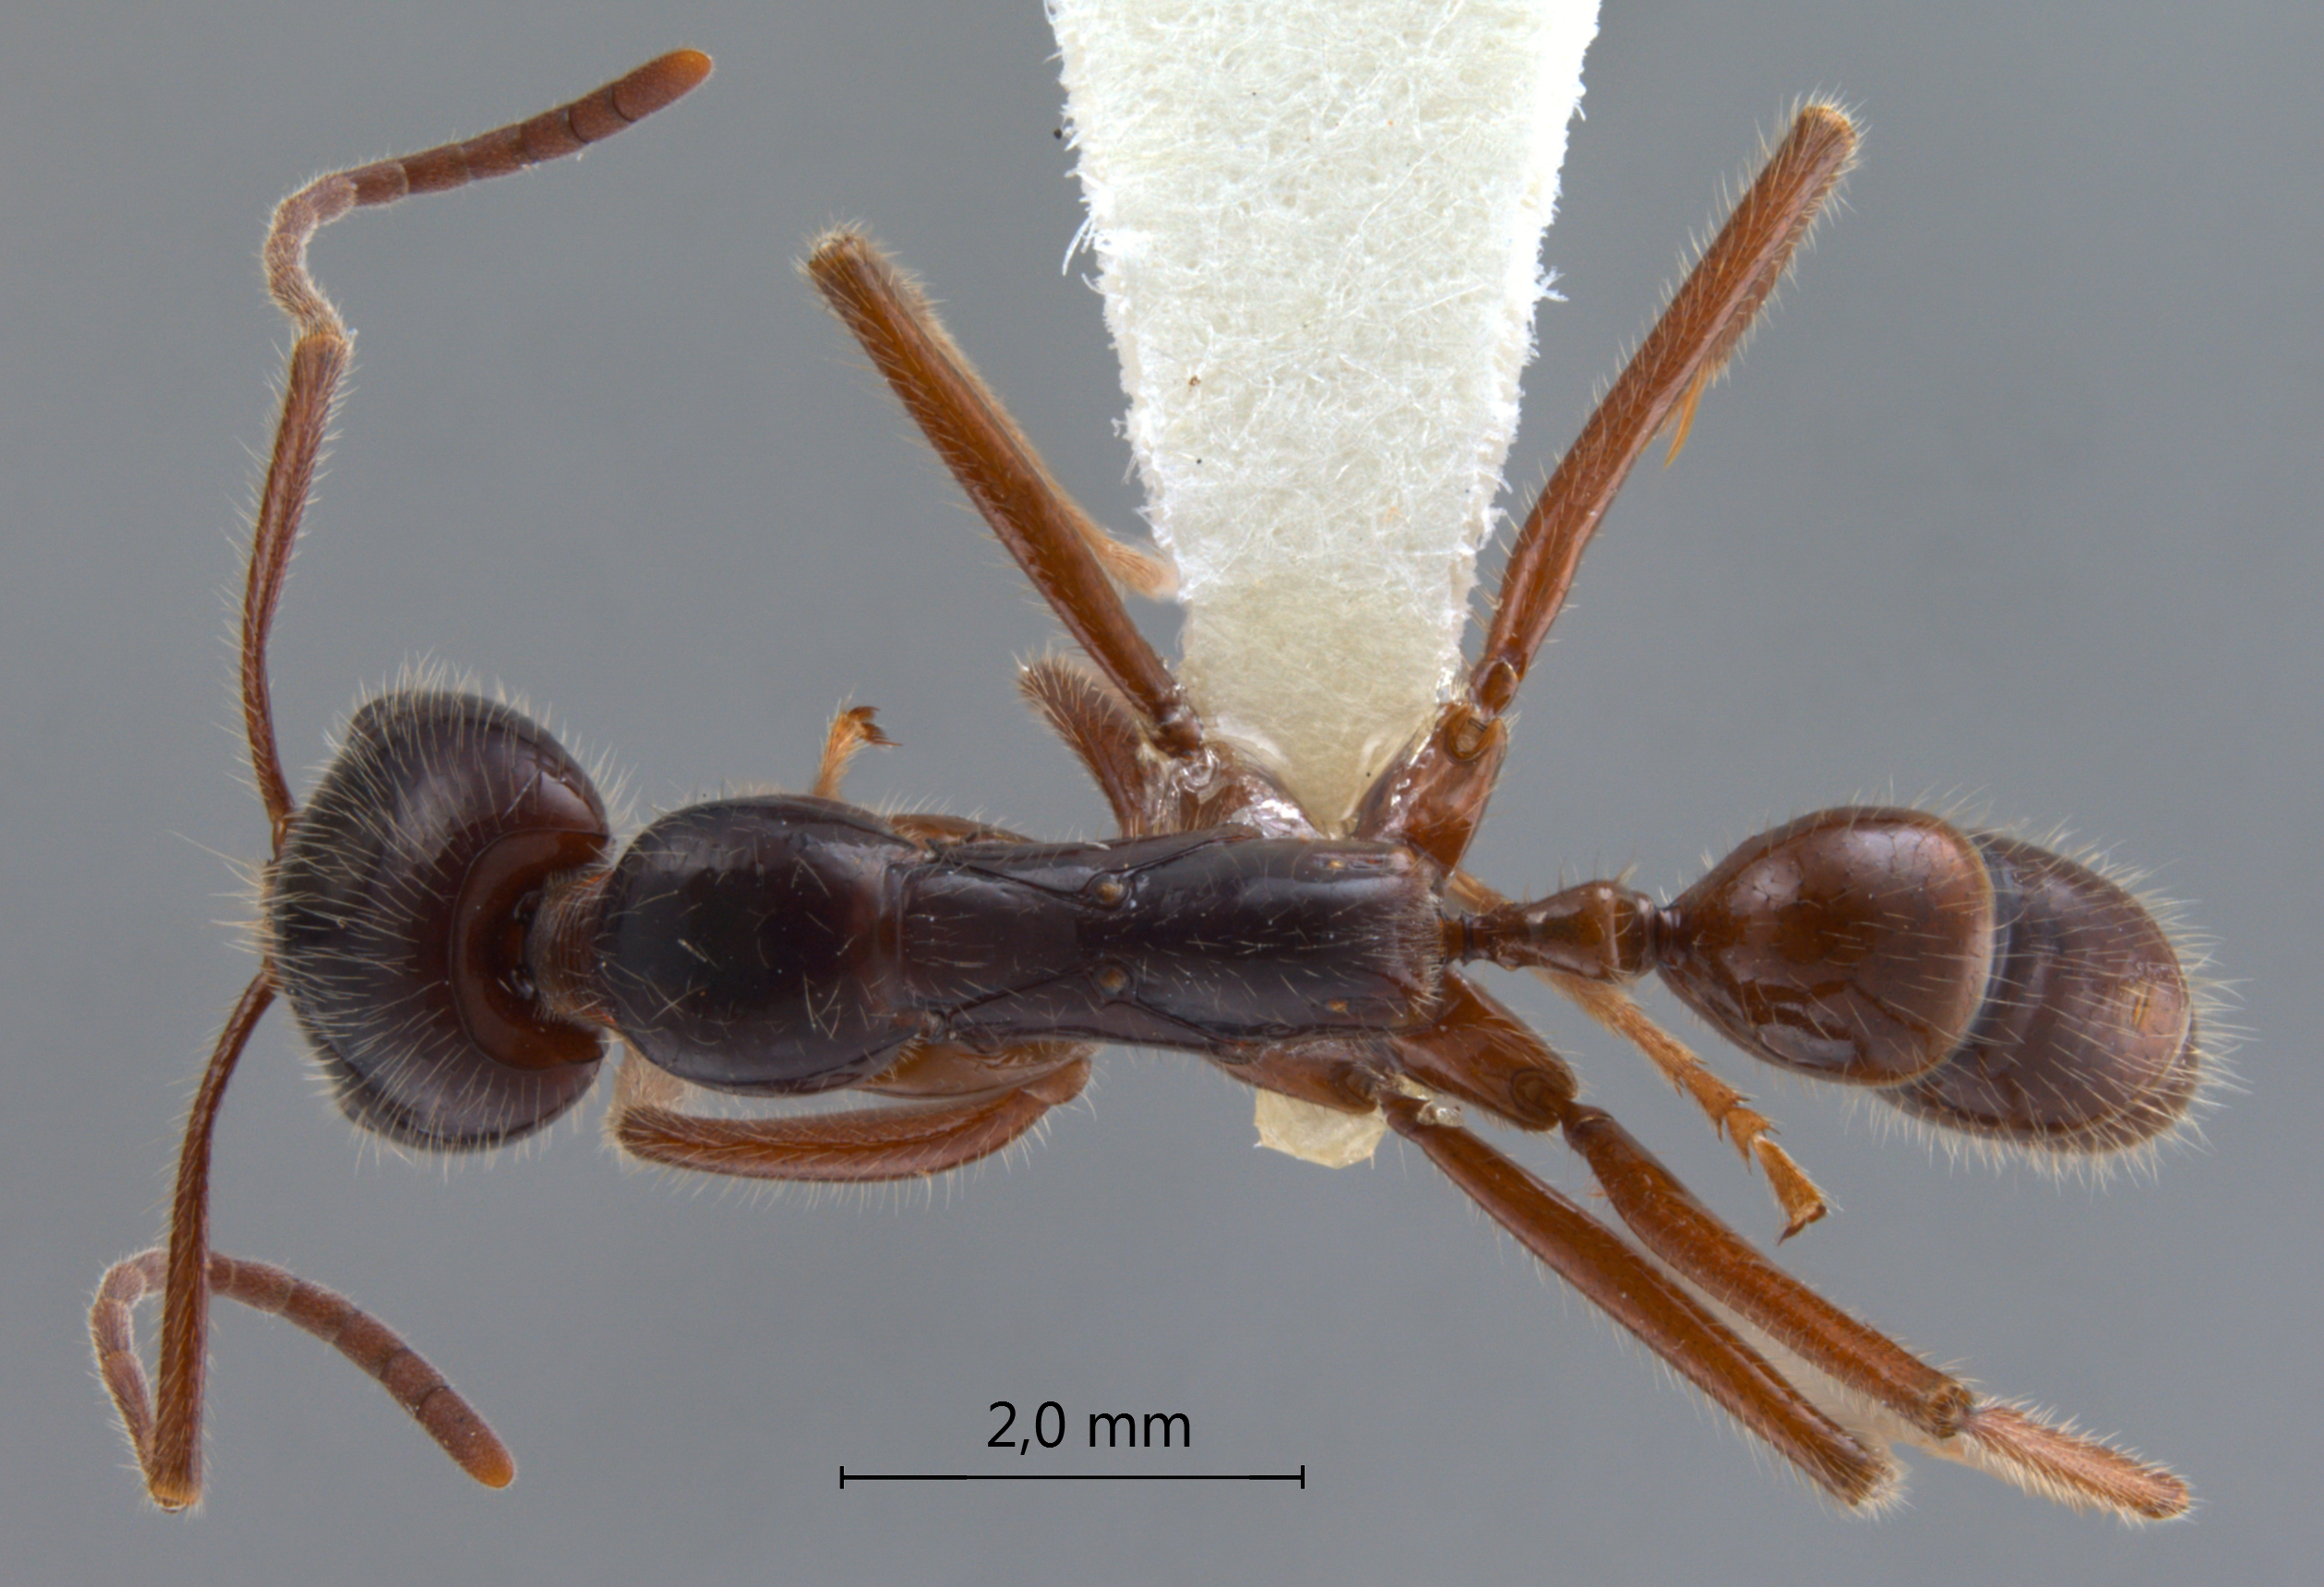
396,917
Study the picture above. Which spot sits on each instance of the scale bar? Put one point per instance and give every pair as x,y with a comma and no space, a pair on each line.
1299,1476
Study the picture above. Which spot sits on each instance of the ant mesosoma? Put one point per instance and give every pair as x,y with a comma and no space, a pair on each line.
457,932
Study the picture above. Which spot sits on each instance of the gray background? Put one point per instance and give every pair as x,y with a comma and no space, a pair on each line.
2015,500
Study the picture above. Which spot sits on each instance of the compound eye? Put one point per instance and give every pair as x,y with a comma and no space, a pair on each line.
397,916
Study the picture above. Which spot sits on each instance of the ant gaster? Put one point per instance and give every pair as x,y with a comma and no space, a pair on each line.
458,934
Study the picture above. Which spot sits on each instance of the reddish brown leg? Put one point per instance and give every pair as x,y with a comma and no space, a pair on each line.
858,1147
1696,334
1680,1231
334,1319
1727,1110
1331,1075
940,1069
1478,1052
852,732
168,1434
1676,1227
928,827
1750,1131
1481,1053
1101,730
1435,799
1054,541
2058,1463
1663,1317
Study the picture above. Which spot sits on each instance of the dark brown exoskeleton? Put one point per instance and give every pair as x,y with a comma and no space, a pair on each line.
457,932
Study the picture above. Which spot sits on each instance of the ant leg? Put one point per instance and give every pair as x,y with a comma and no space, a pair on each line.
1436,796
1949,1419
319,358
1102,731
1727,1109
1150,793
1616,1279
1069,560
1318,1099
926,826
1327,1075
1473,1050
1705,323
852,731
334,1319
929,1069
861,1146
1478,1052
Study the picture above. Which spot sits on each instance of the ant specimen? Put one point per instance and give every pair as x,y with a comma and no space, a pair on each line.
457,932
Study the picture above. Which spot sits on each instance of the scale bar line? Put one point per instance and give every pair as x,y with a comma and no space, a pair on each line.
1299,1476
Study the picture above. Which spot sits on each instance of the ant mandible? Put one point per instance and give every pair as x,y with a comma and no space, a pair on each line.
457,933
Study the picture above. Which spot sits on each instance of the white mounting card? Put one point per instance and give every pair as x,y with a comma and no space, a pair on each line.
1318,225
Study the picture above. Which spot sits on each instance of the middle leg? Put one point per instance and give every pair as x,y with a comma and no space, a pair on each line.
861,1146
1436,797
1069,560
